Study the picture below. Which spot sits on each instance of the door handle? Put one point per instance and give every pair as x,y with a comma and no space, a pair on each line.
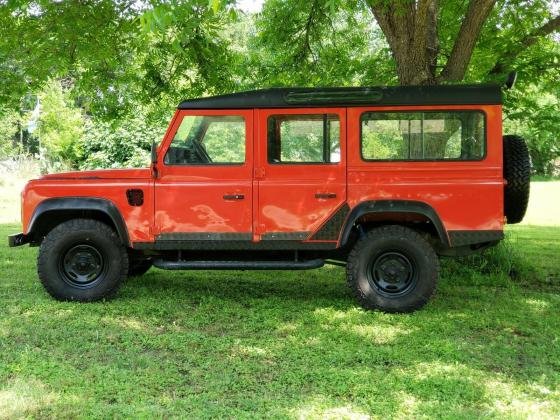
234,197
325,195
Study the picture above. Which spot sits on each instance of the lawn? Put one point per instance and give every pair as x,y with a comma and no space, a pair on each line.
289,344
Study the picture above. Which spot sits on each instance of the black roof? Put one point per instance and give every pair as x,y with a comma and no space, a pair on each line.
351,96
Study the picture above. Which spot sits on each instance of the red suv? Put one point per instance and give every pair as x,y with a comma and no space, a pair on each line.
381,180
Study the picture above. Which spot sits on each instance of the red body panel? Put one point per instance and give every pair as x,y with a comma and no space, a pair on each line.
286,200
108,184
465,195
190,198
281,198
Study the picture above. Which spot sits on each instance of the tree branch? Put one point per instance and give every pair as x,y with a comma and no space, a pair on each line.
477,13
505,59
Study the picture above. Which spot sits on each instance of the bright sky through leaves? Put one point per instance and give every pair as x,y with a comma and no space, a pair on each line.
250,6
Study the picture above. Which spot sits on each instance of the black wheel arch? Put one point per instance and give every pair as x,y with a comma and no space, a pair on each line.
53,211
394,206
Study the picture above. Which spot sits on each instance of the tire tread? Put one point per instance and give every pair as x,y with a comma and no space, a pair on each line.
390,231
82,225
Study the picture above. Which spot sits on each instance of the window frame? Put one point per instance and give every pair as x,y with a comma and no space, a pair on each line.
308,162
440,111
210,164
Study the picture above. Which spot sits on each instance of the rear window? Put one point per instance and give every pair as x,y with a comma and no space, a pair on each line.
449,135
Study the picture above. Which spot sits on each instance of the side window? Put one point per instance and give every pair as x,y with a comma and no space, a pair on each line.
451,135
208,140
304,138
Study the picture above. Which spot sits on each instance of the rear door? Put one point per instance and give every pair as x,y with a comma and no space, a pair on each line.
300,172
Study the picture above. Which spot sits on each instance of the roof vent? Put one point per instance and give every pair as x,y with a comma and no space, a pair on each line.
342,96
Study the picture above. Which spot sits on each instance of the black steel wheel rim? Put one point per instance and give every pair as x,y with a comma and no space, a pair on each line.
392,274
81,266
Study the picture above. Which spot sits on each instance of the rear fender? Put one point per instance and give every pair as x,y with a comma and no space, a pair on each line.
393,206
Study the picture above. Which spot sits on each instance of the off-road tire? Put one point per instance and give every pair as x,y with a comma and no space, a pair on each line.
408,248
517,172
79,248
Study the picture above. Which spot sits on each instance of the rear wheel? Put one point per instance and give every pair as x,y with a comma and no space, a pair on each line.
82,260
392,268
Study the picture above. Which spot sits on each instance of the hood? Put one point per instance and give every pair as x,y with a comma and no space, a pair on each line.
142,173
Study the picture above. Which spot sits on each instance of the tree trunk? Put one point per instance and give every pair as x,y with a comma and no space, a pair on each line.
410,29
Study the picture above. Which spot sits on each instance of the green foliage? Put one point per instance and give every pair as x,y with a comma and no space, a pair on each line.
60,127
88,44
115,56
183,52
535,116
320,44
126,143
10,123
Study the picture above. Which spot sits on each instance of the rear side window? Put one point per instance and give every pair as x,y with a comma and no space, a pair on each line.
450,135
208,140
306,138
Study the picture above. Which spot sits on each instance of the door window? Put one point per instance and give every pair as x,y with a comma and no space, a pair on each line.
208,140
305,138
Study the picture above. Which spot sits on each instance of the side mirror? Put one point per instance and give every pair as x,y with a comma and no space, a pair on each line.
154,153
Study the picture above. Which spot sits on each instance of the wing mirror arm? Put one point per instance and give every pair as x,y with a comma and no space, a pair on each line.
154,160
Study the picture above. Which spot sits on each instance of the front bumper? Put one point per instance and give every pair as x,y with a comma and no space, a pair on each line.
18,239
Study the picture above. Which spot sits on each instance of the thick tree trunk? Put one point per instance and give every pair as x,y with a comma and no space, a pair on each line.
411,31
410,27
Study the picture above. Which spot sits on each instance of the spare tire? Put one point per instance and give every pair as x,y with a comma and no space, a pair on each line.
517,172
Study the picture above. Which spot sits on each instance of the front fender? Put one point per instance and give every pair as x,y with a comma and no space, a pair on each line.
78,205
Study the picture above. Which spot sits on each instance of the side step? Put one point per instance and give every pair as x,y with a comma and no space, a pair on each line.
238,265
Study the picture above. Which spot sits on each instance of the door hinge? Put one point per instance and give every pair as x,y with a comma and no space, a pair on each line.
259,173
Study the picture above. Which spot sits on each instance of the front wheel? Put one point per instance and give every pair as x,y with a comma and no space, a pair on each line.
82,260
392,268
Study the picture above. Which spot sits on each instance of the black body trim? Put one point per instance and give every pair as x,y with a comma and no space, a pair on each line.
285,236
472,237
393,206
351,96
238,265
330,231
226,245
18,239
205,236
81,204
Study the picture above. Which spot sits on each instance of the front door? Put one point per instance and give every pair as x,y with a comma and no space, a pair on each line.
300,172
204,186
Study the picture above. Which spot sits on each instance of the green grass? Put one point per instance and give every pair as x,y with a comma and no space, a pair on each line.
544,178
287,344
